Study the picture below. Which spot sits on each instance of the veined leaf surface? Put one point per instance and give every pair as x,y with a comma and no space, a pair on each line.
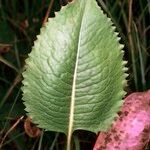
74,75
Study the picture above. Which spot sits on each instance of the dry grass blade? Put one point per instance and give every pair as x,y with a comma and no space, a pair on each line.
10,130
16,81
7,63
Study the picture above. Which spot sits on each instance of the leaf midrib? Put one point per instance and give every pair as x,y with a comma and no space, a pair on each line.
71,119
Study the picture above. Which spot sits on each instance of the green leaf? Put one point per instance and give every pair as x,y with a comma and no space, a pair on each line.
74,75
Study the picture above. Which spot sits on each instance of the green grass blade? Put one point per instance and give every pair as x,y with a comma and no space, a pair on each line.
76,142
54,142
142,67
40,141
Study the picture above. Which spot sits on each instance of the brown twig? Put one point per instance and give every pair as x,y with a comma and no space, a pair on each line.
16,81
12,128
130,16
48,11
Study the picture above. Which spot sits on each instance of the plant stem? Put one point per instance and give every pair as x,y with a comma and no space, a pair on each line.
69,142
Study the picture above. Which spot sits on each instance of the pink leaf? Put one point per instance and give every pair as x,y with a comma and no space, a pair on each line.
131,131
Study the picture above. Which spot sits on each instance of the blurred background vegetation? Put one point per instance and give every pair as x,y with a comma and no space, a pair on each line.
20,22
